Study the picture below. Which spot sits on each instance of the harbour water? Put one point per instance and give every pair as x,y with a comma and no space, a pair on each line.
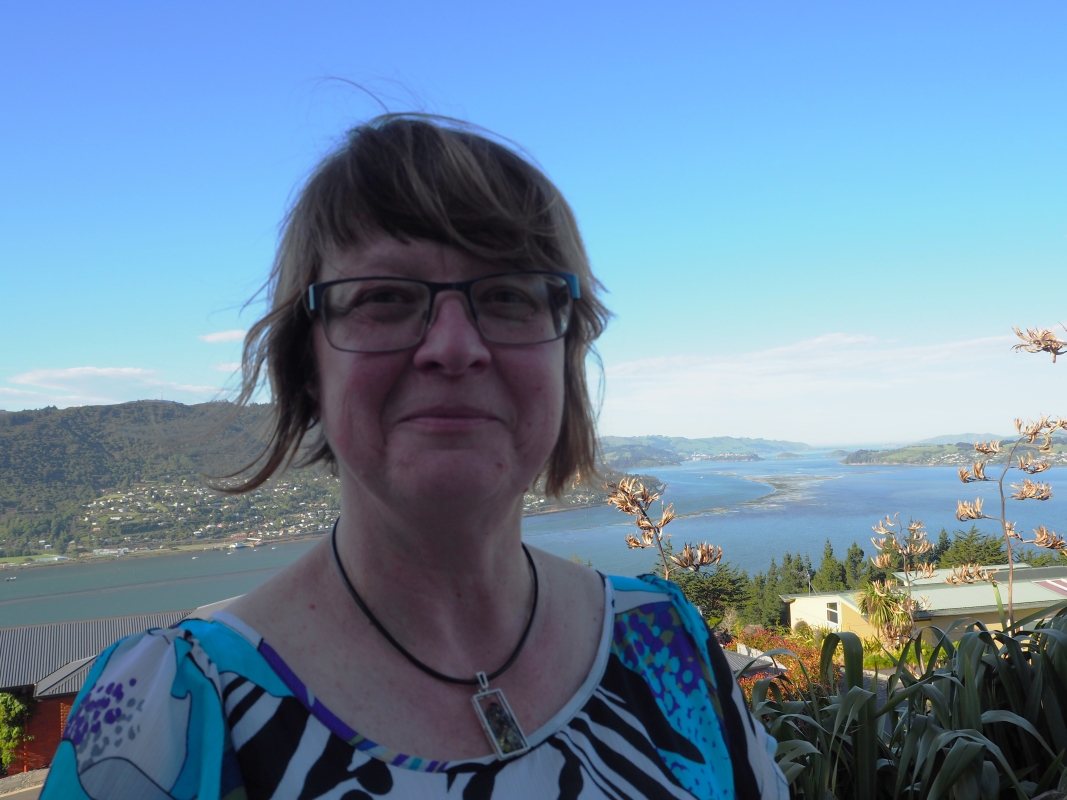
753,510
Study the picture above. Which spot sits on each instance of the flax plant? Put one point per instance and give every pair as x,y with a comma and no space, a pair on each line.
632,497
1032,436
980,717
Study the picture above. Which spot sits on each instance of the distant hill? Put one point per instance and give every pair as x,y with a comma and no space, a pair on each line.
637,456
838,453
960,454
55,461
688,448
50,455
969,438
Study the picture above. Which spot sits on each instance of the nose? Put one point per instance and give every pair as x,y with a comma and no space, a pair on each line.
453,343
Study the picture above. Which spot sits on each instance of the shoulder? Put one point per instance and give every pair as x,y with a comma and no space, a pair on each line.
659,633
149,721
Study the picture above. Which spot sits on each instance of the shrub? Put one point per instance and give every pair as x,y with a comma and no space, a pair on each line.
14,714
803,661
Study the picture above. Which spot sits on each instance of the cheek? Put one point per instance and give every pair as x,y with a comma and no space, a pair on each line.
541,393
353,389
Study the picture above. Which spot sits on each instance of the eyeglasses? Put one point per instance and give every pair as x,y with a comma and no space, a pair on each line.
379,315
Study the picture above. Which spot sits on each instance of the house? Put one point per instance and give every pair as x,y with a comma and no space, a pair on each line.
50,663
1035,589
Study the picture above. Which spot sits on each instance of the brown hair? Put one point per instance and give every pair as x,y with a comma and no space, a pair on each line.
415,177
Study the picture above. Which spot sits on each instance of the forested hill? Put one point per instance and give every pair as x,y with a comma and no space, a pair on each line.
54,463
50,457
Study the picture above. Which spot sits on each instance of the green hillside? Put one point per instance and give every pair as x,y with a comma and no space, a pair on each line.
77,479
636,456
959,454
51,456
717,445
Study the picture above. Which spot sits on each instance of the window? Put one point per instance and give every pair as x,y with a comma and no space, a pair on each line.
831,613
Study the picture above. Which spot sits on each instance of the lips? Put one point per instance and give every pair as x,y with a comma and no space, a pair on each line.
450,417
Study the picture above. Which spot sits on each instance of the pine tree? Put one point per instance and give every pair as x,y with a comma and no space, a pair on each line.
856,567
974,547
942,546
831,573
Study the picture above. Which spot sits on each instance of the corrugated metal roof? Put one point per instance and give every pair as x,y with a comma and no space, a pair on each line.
29,653
46,684
946,598
1023,572
971,597
1057,585
72,684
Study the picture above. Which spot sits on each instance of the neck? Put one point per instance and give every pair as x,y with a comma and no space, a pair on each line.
452,585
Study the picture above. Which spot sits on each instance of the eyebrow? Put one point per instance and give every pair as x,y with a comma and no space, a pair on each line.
407,265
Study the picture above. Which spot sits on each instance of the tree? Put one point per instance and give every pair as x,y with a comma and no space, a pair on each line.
762,605
973,547
1043,559
941,547
831,574
856,569
763,600
713,591
795,574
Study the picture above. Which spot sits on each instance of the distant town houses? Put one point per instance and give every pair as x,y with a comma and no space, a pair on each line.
116,551
163,513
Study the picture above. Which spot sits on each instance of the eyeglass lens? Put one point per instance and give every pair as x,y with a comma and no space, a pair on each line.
379,314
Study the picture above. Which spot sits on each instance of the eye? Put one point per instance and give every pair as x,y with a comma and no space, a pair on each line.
384,295
505,295
374,299
509,296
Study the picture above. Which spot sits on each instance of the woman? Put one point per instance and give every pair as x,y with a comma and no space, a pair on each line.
431,312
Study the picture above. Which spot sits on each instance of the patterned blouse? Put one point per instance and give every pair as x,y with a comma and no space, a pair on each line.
208,710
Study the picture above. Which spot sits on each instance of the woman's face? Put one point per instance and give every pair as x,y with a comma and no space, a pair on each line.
454,418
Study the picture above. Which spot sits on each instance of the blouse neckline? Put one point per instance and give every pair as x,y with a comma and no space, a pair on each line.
337,726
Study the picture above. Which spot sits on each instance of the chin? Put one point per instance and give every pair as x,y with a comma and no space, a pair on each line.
459,476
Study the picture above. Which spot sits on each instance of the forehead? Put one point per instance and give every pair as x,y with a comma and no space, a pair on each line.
384,256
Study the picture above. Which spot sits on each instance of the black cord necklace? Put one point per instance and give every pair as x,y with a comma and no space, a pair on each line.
491,706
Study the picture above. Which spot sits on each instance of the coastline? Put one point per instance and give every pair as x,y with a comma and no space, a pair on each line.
162,551
220,544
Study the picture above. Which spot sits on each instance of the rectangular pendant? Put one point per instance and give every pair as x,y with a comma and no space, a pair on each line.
500,724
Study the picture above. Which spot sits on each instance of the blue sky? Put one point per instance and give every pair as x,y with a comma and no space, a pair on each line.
816,221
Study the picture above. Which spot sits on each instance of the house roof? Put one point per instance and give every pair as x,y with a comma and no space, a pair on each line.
976,598
1040,588
1023,572
29,654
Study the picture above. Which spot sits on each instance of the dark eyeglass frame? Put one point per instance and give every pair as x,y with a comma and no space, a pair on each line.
316,290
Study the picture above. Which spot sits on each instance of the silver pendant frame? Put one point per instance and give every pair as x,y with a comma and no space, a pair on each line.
502,729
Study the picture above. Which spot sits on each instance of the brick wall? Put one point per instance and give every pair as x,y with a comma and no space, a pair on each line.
46,723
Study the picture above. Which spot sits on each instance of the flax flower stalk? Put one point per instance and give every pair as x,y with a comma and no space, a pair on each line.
1040,340
632,497
1036,434
891,611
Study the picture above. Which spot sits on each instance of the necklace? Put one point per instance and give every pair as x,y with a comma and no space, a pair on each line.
490,705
